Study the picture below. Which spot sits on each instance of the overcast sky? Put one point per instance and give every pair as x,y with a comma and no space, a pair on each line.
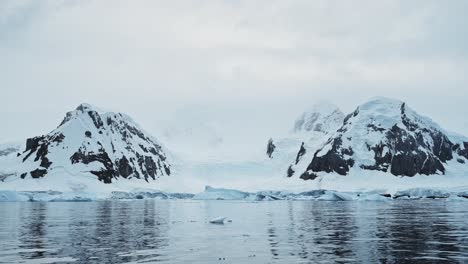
244,64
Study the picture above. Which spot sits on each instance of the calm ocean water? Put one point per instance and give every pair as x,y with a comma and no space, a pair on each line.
177,231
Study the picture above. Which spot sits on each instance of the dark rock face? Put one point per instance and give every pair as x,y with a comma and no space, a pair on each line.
270,148
125,169
121,167
96,119
410,159
302,152
290,172
462,151
38,173
105,175
41,155
334,160
39,145
382,159
33,143
307,175
408,155
58,138
45,163
411,164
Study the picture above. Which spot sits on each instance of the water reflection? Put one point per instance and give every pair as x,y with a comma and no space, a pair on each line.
272,237
347,232
33,230
411,233
326,231
271,232
124,229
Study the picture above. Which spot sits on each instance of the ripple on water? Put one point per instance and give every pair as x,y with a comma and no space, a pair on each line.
151,231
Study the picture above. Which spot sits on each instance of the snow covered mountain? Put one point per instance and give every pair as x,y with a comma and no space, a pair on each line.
388,136
310,131
323,117
106,145
383,137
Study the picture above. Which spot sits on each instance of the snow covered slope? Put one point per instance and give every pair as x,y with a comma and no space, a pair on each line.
8,160
388,136
92,142
311,130
323,117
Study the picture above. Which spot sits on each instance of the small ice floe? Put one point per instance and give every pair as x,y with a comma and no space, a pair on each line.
219,220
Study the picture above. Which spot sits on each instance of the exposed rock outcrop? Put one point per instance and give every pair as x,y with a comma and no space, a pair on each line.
270,148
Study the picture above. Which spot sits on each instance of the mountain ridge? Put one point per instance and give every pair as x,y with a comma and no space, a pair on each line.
92,146
109,145
386,135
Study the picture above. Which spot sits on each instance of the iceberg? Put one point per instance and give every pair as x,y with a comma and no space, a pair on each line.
219,220
12,196
417,193
211,193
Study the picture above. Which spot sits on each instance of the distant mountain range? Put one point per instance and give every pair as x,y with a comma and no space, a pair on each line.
382,135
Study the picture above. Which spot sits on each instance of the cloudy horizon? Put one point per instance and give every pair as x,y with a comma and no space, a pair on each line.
239,64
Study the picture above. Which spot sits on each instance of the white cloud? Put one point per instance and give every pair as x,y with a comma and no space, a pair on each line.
151,58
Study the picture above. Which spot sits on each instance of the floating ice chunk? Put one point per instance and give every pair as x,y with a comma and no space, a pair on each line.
372,197
219,220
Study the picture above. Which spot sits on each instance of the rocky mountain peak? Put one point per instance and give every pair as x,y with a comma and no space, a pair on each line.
386,135
106,144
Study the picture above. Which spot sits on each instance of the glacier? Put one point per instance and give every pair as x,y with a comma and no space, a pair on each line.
211,193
